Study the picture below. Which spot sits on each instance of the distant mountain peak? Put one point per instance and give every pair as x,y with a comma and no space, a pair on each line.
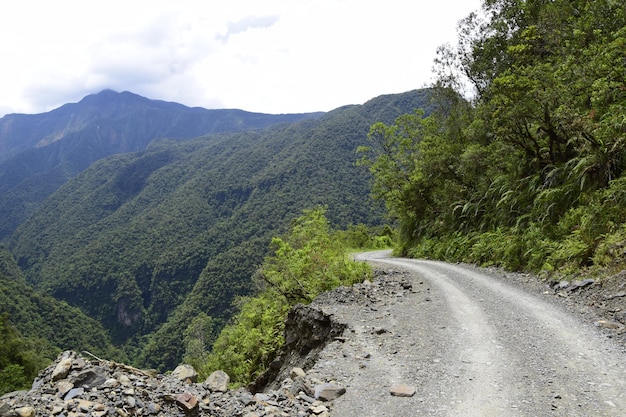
109,96
62,142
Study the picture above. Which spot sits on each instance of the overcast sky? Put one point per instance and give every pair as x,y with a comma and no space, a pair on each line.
271,56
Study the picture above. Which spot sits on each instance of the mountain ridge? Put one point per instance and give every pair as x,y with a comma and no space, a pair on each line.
142,241
40,152
72,117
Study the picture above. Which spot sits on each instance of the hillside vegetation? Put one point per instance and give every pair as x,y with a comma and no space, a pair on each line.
144,242
310,259
35,328
529,173
40,152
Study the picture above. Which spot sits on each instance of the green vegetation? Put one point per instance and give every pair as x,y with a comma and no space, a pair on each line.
528,174
309,260
40,152
145,242
35,328
361,237
19,363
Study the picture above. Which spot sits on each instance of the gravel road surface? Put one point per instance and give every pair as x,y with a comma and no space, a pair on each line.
471,344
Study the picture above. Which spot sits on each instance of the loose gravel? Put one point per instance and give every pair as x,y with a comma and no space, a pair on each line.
471,342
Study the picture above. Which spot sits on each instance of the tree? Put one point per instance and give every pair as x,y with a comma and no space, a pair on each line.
307,261
19,363
513,174
198,338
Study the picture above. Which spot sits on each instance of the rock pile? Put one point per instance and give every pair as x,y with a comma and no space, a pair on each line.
77,385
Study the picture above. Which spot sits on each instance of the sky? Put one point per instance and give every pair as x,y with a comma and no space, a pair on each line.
269,56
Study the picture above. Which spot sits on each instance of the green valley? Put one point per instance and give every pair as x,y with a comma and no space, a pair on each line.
144,242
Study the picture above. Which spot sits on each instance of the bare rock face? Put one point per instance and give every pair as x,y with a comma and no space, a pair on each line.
329,391
61,369
401,390
307,331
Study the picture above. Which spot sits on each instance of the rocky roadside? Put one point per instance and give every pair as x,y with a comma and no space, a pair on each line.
600,301
81,385
302,381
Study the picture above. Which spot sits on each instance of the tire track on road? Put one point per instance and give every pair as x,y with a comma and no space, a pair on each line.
507,351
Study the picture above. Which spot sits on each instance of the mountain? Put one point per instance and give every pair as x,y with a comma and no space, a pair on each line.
40,152
144,241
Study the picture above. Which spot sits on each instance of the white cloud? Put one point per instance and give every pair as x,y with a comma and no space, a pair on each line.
269,56
248,22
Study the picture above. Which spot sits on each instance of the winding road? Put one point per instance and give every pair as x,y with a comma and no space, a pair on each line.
472,345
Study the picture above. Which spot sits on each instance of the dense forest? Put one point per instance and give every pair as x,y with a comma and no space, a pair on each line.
40,152
152,244
34,327
522,165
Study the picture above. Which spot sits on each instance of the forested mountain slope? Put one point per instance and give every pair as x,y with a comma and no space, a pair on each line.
147,240
51,323
39,152
531,174
35,328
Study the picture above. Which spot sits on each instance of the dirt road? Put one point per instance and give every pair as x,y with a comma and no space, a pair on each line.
472,345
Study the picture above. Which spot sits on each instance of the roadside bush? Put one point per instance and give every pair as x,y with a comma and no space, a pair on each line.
310,260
